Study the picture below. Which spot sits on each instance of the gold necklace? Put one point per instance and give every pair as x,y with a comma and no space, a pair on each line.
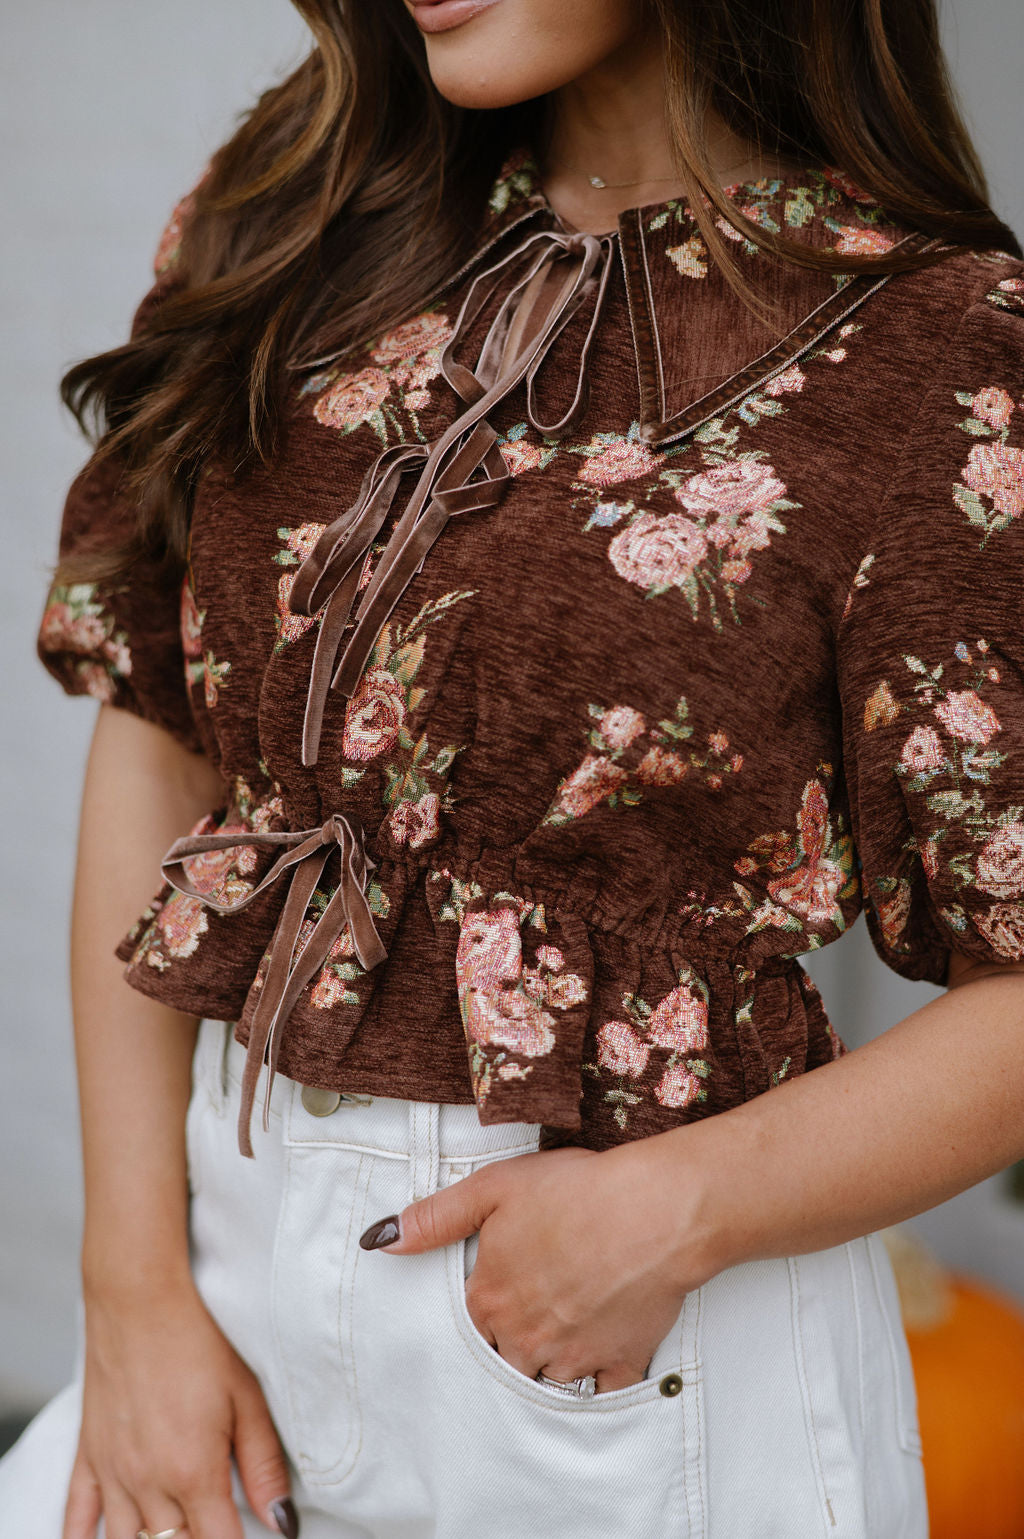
643,181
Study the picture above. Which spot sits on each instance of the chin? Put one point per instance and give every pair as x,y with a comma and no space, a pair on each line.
510,51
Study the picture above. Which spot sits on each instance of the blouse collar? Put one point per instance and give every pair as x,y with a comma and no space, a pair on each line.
669,276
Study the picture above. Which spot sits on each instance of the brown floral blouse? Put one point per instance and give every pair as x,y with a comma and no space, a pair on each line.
587,656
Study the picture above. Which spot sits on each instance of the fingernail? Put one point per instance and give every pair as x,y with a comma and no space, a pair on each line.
384,1232
285,1518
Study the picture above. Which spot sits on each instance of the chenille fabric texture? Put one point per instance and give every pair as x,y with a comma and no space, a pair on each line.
673,689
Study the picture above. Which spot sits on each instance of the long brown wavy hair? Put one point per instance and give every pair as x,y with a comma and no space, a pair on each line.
353,189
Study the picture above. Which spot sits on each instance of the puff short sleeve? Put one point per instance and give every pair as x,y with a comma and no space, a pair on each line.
931,664
120,641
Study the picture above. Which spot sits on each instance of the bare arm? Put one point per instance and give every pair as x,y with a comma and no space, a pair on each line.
167,1400
142,790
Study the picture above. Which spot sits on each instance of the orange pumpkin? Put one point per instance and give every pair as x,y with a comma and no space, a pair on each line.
967,1347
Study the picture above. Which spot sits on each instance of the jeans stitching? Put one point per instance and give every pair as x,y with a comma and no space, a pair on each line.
805,1389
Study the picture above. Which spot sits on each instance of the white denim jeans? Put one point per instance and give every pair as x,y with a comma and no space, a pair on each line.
779,1406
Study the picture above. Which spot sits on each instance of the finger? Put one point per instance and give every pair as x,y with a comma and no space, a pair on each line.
160,1512
616,1378
120,1513
84,1505
262,1466
213,1517
451,1214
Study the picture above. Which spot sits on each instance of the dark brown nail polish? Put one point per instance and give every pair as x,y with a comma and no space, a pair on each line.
384,1232
284,1515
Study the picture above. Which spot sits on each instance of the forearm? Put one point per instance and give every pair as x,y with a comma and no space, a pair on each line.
924,1111
133,1055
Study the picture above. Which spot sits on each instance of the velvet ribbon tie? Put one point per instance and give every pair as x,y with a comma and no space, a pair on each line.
289,965
553,274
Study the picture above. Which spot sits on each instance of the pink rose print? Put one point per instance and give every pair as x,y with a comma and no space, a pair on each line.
680,1022
678,1087
291,626
328,991
745,486
967,717
811,890
374,716
859,242
551,957
520,456
736,571
789,381
993,406
660,767
620,1050
424,334
181,922
1003,928
893,914
620,725
191,624
997,471
595,780
97,682
1000,863
658,551
622,461
813,819
922,751
415,823
488,964
302,540
353,400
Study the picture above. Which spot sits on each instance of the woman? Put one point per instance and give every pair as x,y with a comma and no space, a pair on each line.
596,518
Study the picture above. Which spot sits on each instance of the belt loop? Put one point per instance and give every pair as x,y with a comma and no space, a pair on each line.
424,1148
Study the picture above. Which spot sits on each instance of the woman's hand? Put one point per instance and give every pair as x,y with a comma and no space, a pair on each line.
166,1401
583,1261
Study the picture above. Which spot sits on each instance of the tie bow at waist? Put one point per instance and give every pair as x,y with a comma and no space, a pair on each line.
552,274
290,965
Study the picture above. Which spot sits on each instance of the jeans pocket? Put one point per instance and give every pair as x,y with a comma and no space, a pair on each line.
637,1452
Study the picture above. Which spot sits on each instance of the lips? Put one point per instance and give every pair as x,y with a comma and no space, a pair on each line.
443,15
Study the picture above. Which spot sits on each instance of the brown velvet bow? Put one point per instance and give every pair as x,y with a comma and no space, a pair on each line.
305,855
462,472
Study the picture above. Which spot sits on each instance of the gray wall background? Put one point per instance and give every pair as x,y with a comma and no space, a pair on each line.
108,112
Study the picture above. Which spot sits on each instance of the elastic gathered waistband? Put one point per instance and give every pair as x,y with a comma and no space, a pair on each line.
391,1126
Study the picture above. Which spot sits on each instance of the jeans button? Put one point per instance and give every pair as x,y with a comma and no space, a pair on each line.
320,1103
671,1384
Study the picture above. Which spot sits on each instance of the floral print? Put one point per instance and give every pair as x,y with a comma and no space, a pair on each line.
509,1005
603,802
388,393
672,1037
201,668
944,763
808,874
662,754
333,984
825,197
377,723
77,622
990,492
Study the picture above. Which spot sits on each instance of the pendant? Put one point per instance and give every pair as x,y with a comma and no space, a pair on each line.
597,181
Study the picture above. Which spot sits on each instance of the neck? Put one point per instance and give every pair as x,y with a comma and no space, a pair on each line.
611,123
